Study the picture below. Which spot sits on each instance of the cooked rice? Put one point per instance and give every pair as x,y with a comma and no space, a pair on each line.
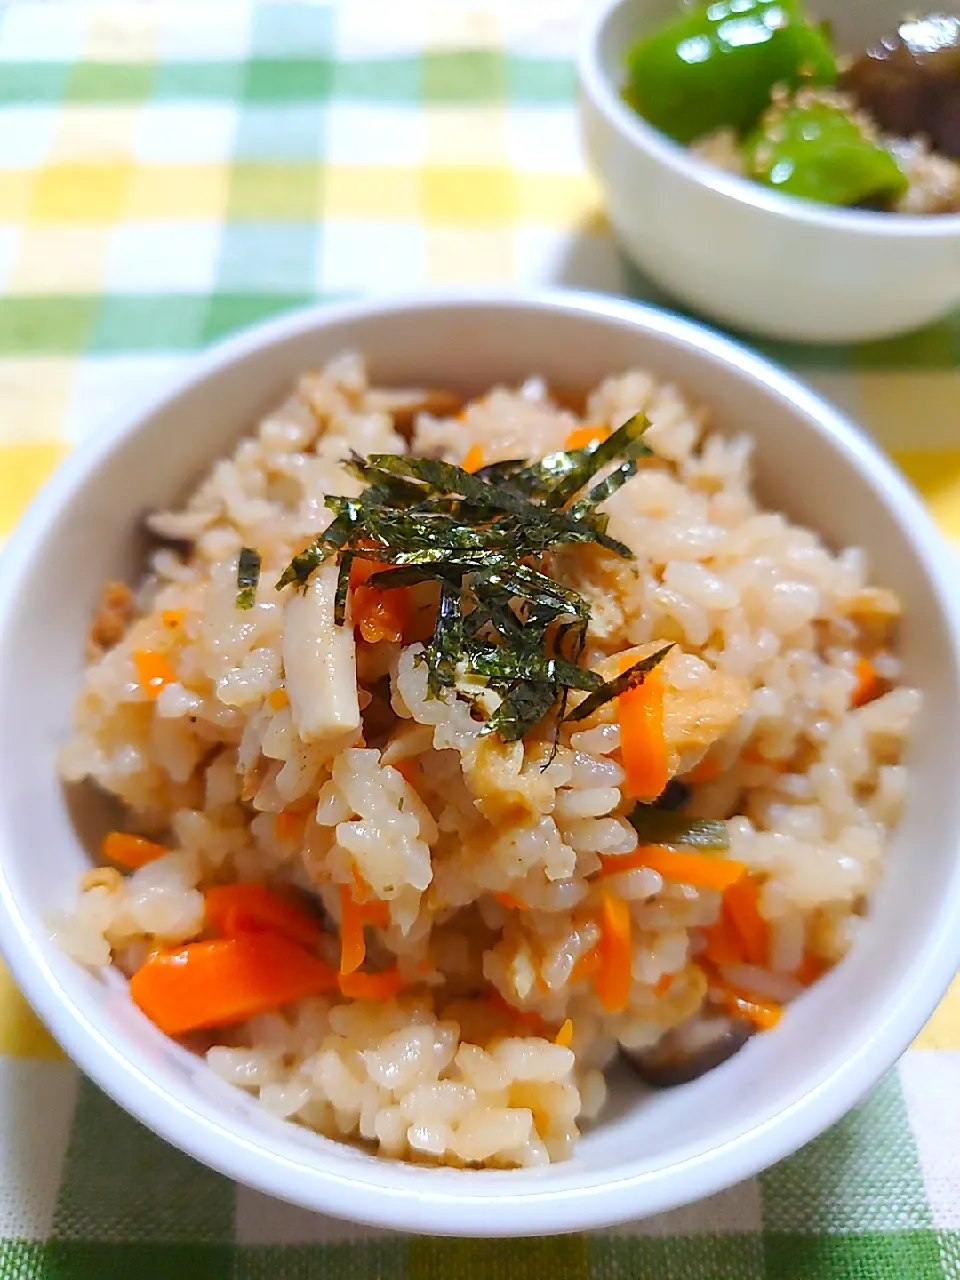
437,819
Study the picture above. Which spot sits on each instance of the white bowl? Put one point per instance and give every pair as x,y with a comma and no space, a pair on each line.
738,252
650,1152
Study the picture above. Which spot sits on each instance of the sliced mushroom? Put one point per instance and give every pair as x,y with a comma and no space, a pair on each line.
690,1051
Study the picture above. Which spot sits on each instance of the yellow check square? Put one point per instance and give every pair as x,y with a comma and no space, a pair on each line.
370,192
81,192
479,196
59,258
178,191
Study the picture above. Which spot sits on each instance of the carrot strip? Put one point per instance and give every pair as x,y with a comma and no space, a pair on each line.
153,671
706,771
409,770
764,1014
510,902
173,618
131,851
278,698
586,966
290,824
663,984
811,967
723,945
234,909
868,683
741,908
643,744
698,869
583,436
381,615
526,1019
564,1036
353,946
473,459
372,986
613,977
216,984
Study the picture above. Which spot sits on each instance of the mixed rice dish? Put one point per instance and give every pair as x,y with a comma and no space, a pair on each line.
464,747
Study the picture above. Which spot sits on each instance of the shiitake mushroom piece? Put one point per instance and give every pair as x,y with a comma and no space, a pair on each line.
690,1051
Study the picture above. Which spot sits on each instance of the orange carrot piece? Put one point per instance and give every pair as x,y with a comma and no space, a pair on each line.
381,615
278,698
372,986
613,976
811,967
473,460
510,902
701,870
216,984
234,909
643,744
409,770
706,771
153,671
290,824
741,907
586,966
131,851
868,683
663,984
764,1014
583,436
173,618
525,1019
723,945
564,1036
353,946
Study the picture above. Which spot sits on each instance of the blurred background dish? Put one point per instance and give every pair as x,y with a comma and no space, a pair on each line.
749,254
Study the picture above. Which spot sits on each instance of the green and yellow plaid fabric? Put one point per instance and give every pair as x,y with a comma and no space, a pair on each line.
171,171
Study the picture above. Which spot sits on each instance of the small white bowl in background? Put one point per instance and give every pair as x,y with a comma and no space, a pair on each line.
651,1151
735,250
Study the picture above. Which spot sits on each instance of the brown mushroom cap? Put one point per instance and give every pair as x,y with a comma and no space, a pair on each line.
690,1051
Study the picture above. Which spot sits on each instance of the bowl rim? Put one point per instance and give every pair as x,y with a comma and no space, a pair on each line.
500,1204
598,87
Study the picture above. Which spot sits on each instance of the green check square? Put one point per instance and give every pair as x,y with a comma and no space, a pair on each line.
228,312
384,1259
177,81
140,1260
695,1257
165,322
869,1255
111,82
32,82
262,190
288,80
541,80
377,80
123,1184
470,75
46,325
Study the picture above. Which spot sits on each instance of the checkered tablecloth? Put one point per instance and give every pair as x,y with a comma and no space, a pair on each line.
171,171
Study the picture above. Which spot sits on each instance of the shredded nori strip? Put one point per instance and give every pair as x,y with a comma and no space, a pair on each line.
248,577
659,826
502,623
631,679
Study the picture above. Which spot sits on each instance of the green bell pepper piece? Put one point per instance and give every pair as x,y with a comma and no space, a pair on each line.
818,152
717,65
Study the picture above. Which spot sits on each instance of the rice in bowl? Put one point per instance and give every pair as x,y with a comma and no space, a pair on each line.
486,871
